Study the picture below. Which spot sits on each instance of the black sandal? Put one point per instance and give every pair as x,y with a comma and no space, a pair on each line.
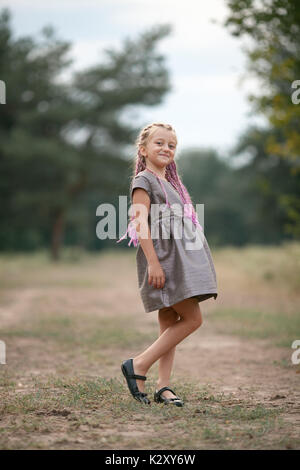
130,376
158,398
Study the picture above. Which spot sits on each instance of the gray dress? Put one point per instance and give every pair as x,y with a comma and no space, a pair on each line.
184,255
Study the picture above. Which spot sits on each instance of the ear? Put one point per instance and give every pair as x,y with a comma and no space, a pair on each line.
142,152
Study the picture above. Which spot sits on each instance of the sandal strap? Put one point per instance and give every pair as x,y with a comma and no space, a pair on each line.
163,389
140,394
136,376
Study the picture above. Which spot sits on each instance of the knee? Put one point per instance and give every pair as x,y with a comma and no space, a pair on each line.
190,313
167,317
195,321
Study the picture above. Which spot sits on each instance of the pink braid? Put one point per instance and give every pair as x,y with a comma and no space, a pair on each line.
171,176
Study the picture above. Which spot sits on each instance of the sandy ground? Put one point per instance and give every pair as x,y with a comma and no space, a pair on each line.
242,368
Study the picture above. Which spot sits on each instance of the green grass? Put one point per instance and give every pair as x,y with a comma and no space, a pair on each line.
206,420
281,329
270,264
79,330
76,408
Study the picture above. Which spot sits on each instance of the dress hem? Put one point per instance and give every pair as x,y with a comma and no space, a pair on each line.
195,294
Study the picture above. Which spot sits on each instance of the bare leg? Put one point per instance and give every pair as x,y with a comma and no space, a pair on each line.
167,317
190,320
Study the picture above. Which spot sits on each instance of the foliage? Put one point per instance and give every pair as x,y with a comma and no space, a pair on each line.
61,141
274,58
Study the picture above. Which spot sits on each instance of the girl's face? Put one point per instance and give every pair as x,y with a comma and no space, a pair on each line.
160,149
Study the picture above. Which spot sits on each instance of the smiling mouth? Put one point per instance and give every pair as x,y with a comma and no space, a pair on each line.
163,155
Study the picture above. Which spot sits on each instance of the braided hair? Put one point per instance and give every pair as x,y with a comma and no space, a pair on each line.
171,173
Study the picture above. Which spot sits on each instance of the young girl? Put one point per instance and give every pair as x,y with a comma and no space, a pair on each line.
173,274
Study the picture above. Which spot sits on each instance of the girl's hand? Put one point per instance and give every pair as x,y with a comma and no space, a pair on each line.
156,275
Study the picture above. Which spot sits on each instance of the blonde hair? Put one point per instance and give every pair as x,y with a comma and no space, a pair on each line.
171,173
142,139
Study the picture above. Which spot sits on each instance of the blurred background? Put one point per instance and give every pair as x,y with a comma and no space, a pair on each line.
78,80
82,78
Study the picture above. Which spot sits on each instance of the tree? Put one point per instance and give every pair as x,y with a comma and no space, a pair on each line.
268,179
227,194
45,167
274,57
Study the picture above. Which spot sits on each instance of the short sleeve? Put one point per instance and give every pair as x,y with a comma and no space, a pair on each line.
141,182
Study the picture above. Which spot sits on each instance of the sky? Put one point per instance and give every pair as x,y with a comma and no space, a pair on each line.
208,105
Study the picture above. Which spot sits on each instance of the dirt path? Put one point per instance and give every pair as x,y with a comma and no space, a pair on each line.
18,306
244,370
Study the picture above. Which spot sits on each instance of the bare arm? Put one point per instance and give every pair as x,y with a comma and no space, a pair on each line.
156,275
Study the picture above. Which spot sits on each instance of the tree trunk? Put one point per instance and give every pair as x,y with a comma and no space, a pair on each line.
57,234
